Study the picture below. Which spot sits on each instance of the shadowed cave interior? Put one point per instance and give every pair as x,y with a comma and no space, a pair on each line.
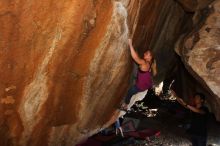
163,119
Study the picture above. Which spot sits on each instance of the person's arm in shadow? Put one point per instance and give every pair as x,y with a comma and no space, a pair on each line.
183,103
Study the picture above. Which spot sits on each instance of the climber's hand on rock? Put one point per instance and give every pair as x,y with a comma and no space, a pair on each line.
130,41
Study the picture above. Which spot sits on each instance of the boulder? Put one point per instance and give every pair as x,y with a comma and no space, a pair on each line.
200,52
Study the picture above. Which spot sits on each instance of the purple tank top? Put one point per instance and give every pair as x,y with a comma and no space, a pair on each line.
144,80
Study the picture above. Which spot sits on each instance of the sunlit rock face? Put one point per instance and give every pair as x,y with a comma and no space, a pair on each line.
64,67
200,52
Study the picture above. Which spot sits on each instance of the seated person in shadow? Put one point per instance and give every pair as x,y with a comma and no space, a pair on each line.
199,117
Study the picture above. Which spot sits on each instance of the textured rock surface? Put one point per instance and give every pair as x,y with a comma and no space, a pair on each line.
189,5
160,24
65,65
200,51
194,5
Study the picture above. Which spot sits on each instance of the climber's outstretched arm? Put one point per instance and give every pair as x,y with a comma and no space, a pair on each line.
134,54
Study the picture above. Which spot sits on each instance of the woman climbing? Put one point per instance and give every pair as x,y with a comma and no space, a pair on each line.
147,66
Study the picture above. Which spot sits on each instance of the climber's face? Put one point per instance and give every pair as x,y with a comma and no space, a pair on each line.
148,56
